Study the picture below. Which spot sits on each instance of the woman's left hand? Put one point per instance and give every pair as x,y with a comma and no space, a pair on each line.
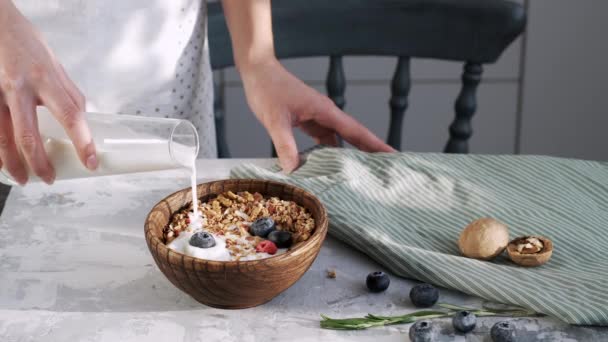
281,101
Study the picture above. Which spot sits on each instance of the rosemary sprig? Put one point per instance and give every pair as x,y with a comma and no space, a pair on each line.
370,320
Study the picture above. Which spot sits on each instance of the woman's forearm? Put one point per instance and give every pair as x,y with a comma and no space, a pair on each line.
6,9
250,25
5,3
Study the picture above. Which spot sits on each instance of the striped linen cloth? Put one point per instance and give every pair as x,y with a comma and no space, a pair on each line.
407,210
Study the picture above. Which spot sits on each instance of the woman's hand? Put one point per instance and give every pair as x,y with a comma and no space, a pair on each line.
281,101
30,76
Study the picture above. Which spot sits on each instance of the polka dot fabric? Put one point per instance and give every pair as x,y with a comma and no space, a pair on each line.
192,91
135,57
192,87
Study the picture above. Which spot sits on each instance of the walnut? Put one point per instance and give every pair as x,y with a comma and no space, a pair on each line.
483,239
247,196
230,195
255,212
529,245
530,250
216,206
224,201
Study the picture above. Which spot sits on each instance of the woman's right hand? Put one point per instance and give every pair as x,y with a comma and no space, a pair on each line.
30,76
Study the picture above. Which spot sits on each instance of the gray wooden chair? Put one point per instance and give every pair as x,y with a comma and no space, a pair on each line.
475,32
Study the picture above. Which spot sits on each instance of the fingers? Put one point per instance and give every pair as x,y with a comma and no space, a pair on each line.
351,130
27,137
320,134
67,105
71,88
9,155
281,133
357,134
329,140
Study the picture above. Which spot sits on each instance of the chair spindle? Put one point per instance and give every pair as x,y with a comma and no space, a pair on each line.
400,88
220,125
335,83
465,106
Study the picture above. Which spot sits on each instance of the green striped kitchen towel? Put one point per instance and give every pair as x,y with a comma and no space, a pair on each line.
407,210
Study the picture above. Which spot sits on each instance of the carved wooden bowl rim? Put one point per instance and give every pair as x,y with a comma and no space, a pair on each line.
153,240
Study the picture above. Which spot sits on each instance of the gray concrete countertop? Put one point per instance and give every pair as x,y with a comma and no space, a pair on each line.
58,282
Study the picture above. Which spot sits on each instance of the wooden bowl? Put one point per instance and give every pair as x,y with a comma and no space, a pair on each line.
530,260
235,284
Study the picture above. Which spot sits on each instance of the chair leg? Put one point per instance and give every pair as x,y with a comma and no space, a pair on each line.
465,107
4,191
220,125
335,83
400,89
273,151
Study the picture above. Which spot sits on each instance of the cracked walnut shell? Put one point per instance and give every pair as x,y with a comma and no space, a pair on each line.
530,250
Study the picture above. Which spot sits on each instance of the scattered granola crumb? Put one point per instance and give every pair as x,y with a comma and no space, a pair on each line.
331,273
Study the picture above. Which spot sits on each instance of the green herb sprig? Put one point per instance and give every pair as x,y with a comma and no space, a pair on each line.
370,320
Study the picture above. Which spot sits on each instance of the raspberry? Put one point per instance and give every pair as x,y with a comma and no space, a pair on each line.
266,247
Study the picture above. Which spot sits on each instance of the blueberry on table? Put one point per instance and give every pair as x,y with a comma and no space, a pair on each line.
421,331
262,227
377,281
503,332
280,238
464,321
424,295
202,240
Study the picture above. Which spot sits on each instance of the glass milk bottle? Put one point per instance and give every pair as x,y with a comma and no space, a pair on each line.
124,143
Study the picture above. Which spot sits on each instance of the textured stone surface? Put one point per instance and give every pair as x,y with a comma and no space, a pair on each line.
74,266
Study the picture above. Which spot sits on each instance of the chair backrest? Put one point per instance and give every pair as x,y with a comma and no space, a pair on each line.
475,32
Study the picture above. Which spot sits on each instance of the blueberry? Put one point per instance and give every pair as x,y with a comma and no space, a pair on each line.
503,332
421,331
377,281
202,240
424,295
262,227
280,238
464,321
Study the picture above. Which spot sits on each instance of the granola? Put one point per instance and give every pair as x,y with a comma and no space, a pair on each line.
230,215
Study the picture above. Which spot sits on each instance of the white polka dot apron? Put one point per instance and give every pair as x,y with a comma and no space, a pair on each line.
134,57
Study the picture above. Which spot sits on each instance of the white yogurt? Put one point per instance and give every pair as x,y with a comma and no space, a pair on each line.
219,252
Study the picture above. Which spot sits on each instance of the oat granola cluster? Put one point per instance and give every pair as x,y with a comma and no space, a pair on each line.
230,215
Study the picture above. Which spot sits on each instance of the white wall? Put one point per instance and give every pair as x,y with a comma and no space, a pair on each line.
565,102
